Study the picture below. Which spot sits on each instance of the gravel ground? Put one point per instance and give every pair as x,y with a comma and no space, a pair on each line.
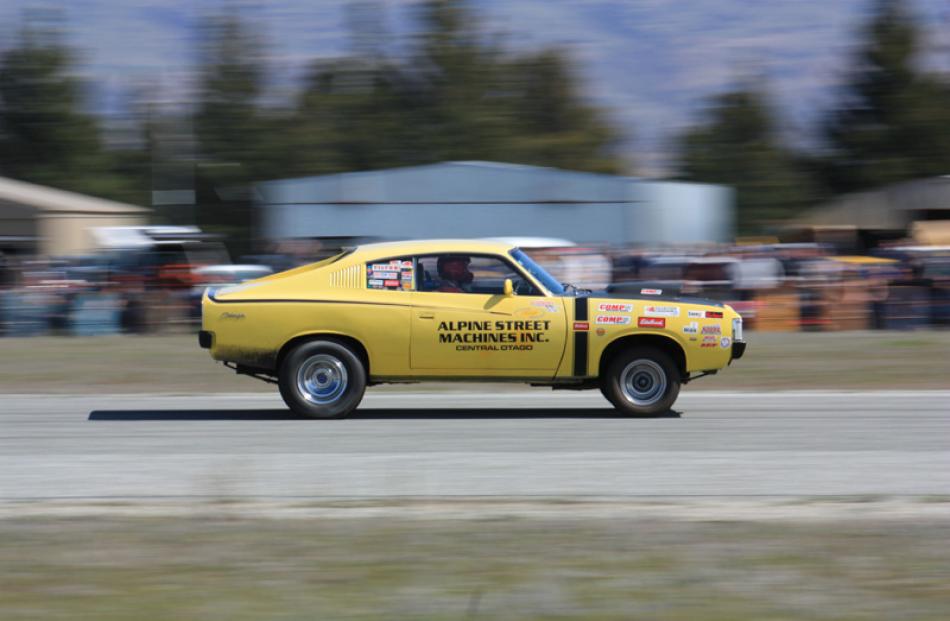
532,443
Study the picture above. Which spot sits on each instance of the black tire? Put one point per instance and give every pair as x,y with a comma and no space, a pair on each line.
642,381
322,379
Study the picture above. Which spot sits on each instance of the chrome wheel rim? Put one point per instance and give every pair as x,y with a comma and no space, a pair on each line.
322,379
643,382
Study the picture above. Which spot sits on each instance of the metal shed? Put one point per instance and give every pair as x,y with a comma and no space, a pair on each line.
892,207
489,199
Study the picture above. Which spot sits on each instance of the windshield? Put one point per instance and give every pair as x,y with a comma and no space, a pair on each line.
549,282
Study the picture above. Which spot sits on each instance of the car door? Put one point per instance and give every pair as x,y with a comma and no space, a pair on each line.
462,323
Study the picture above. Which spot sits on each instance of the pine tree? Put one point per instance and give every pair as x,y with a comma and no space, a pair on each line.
46,137
553,125
227,121
892,123
229,128
458,95
737,145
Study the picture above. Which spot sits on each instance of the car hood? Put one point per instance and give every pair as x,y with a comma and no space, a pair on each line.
653,298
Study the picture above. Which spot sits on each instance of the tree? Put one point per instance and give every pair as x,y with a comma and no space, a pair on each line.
892,123
480,102
354,115
737,145
45,135
229,128
457,95
553,124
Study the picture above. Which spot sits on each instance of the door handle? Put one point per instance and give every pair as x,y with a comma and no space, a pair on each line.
426,315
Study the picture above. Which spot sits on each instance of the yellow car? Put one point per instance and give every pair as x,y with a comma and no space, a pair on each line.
459,310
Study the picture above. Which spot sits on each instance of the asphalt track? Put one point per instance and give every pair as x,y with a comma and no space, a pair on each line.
482,443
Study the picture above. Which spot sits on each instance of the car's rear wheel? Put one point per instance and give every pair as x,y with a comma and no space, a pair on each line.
643,381
322,379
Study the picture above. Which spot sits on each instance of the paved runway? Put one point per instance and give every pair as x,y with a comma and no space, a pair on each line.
535,443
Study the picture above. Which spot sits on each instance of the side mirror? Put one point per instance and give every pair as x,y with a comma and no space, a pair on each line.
509,288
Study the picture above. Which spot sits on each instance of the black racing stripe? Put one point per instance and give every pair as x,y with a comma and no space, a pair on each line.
293,301
580,354
580,309
580,337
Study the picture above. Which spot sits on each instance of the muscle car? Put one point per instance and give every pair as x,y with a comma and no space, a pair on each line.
459,310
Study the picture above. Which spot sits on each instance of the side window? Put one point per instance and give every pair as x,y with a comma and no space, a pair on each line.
461,273
391,274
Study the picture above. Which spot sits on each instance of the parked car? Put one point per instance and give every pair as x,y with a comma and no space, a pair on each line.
221,276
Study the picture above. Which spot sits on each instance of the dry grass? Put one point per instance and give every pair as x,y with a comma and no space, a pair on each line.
239,569
840,360
128,364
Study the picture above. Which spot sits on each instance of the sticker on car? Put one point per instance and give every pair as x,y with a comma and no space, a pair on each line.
614,320
605,307
656,310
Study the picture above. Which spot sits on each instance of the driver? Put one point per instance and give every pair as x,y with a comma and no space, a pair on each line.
454,274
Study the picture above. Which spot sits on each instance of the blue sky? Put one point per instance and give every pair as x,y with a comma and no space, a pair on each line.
649,63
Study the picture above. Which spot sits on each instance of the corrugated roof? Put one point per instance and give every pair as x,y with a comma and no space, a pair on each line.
59,201
889,207
868,210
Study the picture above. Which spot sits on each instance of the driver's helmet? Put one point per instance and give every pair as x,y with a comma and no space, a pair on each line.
454,267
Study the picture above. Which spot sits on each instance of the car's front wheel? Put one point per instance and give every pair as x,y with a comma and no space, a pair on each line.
322,379
643,381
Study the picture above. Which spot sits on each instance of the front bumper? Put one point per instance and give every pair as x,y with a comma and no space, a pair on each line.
738,349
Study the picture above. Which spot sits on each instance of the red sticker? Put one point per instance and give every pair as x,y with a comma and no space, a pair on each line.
713,315
391,283
581,325
615,308
651,322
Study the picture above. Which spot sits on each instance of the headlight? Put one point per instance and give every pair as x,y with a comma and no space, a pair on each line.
737,329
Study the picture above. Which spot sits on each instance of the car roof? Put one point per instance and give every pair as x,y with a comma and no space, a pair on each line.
235,267
534,242
430,246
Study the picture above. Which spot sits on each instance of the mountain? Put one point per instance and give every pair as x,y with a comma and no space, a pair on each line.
650,63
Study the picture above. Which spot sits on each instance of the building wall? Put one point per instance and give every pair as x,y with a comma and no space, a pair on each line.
605,222
17,222
685,213
451,183
63,234
480,199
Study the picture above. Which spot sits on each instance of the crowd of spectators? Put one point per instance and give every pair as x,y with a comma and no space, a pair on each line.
789,287
777,287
